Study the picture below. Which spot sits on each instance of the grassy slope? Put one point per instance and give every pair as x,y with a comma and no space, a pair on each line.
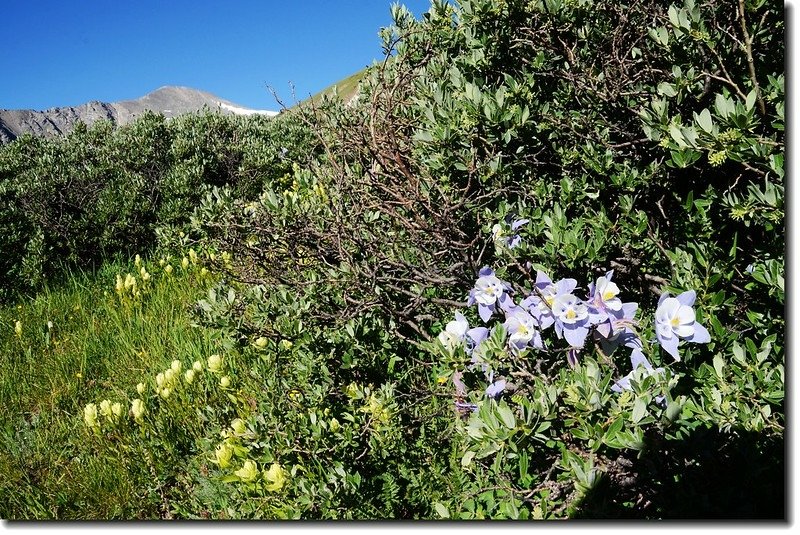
96,347
346,88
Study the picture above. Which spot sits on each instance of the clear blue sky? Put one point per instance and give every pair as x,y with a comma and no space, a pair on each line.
67,52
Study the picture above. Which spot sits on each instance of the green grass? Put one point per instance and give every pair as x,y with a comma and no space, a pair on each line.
346,88
80,344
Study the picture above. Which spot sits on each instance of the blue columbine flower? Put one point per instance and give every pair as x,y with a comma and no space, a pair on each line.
522,330
675,319
488,293
496,389
571,319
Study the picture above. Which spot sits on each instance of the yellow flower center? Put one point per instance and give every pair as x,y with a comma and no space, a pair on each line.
570,314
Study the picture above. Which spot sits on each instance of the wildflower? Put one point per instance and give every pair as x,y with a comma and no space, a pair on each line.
105,409
137,409
223,454
192,256
238,426
176,366
334,425
522,331
286,344
512,241
116,409
276,477
197,366
454,332
603,294
618,329
185,263
169,376
540,302
168,269
496,389
120,285
203,272
675,319
641,369
144,274
138,260
189,376
571,319
489,291
18,328
248,471
214,363
261,342
225,382
90,415
165,392
226,257
130,281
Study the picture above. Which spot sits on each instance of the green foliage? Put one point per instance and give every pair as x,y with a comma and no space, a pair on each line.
101,192
643,138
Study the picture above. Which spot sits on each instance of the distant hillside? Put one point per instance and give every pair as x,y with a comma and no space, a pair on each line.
347,88
169,100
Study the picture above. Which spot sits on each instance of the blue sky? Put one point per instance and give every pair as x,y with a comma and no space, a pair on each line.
67,52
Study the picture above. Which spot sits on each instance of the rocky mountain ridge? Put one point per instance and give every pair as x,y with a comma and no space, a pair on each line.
169,100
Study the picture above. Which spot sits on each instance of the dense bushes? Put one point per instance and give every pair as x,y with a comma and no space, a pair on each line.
101,192
499,148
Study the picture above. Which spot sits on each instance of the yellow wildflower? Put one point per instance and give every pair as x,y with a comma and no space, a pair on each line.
223,454
261,342
90,415
238,426
185,263
137,409
176,366
197,366
189,376
214,363
140,388
105,409
225,382
276,477
116,409
18,328
248,471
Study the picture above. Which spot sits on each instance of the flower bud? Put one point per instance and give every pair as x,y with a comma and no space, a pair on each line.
165,392
248,471
189,376
140,388
176,366
116,409
90,415
105,408
214,363
261,342
18,328
137,409
225,382
238,426
197,366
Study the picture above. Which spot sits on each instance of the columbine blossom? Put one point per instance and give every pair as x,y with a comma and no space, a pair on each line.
571,319
641,368
675,319
512,241
618,330
603,294
540,302
489,291
457,332
496,389
522,330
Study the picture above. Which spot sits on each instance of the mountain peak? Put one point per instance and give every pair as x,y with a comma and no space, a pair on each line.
168,100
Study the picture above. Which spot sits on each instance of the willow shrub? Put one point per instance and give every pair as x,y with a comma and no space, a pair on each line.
502,139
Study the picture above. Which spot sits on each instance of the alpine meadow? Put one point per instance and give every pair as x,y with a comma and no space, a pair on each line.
528,266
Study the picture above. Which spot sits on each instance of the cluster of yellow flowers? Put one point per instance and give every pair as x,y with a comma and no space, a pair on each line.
166,382
231,451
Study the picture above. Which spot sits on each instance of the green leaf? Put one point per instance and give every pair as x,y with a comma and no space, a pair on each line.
719,365
639,410
750,101
667,89
507,416
441,510
704,120
467,458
